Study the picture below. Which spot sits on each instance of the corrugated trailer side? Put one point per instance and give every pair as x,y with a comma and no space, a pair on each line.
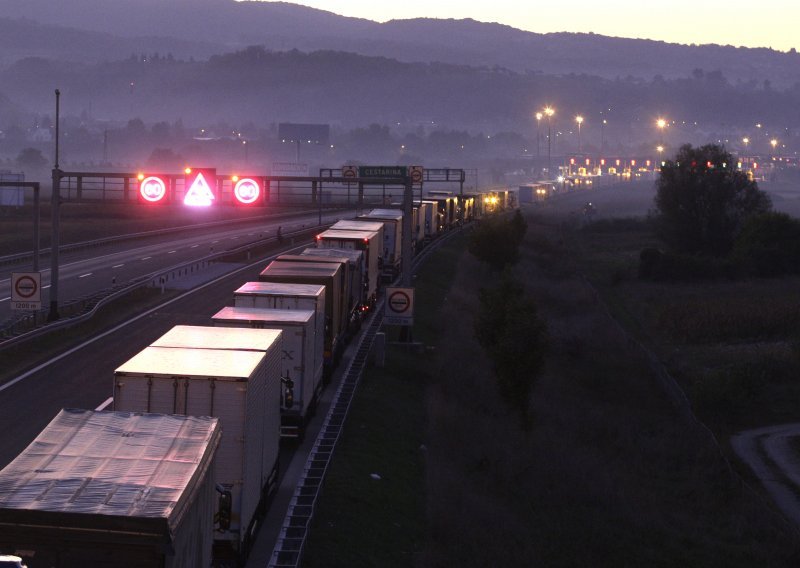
346,305
109,489
328,275
241,388
392,220
369,242
355,258
300,371
276,295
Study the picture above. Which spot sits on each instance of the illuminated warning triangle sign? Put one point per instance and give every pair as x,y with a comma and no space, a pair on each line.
199,193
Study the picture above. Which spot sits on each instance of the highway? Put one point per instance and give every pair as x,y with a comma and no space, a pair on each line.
82,376
87,271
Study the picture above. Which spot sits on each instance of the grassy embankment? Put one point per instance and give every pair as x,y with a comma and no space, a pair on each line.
611,474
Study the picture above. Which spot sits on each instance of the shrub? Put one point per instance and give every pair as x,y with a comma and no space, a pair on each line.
496,241
702,200
769,245
508,327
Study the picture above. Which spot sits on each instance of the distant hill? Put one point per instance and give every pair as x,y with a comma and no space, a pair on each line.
347,89
198,27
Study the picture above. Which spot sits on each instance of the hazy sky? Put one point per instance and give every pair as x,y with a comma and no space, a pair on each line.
771,23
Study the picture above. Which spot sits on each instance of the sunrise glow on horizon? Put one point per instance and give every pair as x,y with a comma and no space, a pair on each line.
736,22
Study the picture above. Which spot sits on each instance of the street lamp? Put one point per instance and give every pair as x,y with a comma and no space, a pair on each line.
661,123
746,141
538,120
579,120
603,134
549,112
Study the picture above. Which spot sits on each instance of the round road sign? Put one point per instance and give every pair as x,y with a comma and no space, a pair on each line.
349,172
416,174
26,287
399,302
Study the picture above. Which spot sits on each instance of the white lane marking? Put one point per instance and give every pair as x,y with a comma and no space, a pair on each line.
5,299
106,403
172,251
118,266
195,246
146,258
85,275
234,238
214,242
45,287
114,329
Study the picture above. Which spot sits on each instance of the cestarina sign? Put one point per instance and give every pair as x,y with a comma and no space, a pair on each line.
200,187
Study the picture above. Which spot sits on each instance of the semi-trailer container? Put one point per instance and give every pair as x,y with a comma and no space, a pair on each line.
369,242
446,209
358,283
430,221
242,389
359,224
392,220
113,489
347,305
301,362
328,275
275,295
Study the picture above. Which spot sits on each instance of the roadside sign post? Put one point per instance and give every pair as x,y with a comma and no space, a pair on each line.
399,307
26,291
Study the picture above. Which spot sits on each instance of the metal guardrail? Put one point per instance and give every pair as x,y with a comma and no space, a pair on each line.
292,538
23,256
90,305
290,546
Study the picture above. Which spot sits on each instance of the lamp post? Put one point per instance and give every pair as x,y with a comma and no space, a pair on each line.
661,123
603,134
54,218
244,143
549,112
579,120
745,141
538,137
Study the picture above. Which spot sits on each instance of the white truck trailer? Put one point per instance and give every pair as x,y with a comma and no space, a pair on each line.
242,389
369,242
392,220
355,269
301,362
114,489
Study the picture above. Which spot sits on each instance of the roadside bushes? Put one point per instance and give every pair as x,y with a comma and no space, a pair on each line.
496,240
767,246
509,329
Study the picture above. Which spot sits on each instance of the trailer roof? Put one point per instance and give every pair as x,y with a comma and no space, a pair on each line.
284,289
357,225
301,269
387,214
86,464
262,315
350,254
204,337
193,362
341,235
309,258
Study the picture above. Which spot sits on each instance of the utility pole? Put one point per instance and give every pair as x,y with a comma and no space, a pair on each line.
54,217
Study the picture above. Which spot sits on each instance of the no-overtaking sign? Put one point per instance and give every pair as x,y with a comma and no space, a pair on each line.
26,290
399,306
